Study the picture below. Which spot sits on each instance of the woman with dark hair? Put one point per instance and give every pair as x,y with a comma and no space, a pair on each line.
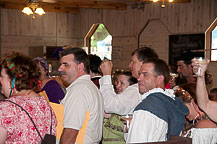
124,79
20,83
52,88
113,124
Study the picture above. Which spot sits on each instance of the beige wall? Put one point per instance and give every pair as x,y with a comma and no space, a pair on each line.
19,31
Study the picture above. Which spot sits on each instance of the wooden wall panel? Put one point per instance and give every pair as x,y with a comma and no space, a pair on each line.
21,31
181,18
155,35
15,23
122,48
66,25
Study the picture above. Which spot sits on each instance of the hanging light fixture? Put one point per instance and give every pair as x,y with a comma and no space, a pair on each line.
33,7
163,2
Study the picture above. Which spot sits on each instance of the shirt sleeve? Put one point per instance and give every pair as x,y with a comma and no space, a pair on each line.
121,104
146,127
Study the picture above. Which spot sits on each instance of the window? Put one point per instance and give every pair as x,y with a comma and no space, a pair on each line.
211,41
214,45
99,41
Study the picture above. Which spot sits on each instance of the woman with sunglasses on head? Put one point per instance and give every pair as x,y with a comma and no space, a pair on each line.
20,82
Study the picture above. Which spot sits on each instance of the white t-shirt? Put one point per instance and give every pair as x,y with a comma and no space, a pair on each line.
83,96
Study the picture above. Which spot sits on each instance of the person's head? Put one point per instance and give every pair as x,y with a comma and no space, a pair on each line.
124,80
21,71
213,94
115,75
138,56
74,63
184,67
43,67
95,62
190,103
154,73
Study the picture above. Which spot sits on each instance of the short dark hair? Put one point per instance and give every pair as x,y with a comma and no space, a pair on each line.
160,68
188,55
24,70
95,62
145,53
80,56
131,79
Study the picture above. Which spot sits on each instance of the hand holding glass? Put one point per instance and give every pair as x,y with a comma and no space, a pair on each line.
200,61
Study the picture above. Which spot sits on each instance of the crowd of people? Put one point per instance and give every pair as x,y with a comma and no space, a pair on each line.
149,103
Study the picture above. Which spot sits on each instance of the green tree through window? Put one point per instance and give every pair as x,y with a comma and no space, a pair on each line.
101,42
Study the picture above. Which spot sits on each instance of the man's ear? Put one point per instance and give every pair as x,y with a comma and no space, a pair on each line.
160,79
81,67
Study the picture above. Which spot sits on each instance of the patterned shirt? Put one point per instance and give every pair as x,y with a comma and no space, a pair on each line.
19,127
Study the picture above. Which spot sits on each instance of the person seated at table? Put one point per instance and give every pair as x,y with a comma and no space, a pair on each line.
113,124
20,82
52,88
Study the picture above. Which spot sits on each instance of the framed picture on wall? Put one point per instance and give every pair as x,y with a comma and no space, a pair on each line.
185,42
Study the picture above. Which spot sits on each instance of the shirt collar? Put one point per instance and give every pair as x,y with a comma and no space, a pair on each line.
83,77
167,92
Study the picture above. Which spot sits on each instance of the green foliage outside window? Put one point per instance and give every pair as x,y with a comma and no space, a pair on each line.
100,34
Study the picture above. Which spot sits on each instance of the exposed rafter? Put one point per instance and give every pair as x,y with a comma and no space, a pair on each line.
73,6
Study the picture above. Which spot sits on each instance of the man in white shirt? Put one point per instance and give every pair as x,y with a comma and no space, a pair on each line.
82,101
160,113
125,102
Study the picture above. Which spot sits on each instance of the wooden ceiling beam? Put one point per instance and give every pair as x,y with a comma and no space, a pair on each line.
73,6
174,1
87,4
46,8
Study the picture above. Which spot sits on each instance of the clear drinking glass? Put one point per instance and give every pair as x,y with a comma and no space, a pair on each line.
127,118
200,61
